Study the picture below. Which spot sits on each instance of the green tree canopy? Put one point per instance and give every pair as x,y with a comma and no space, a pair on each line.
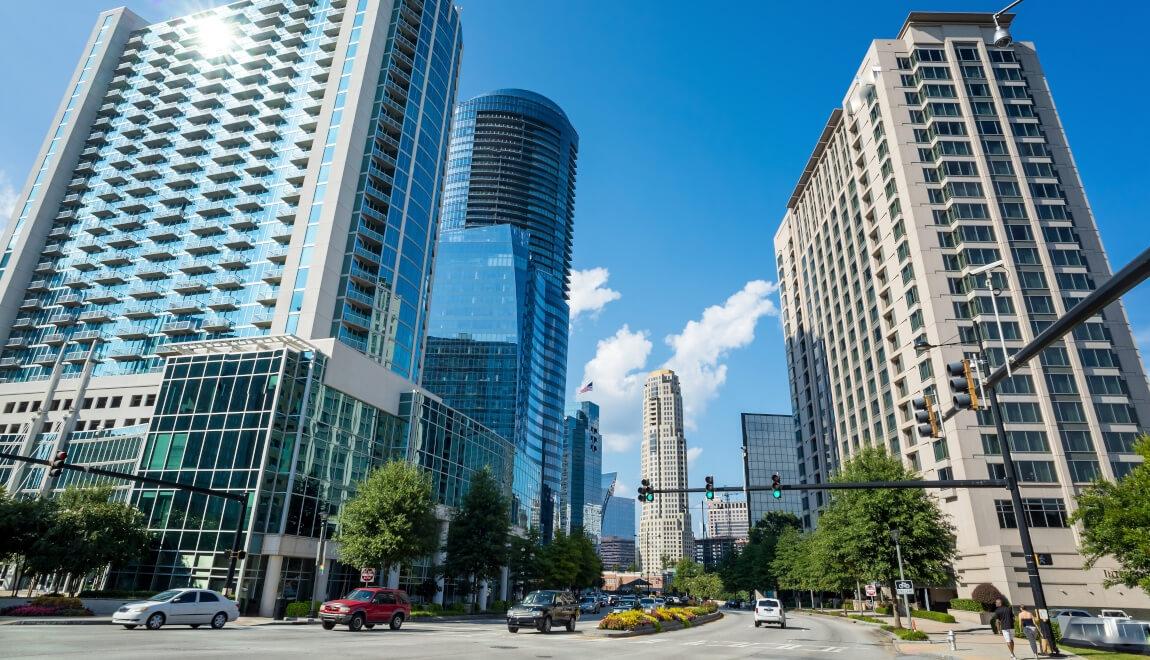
477,538
526,562
391,520
1116,517
705,585
685,571
750,568
854,530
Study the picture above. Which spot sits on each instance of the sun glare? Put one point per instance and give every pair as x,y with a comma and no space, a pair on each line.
215,36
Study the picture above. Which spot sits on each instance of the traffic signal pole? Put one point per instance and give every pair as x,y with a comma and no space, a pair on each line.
237,545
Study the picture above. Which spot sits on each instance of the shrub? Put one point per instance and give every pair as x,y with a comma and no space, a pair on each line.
60,602
848,604
431,608
986,594
117,593
882,609
457,608
629,620
44,610
966,605
420,614
499,606
300,608
933,616
907,634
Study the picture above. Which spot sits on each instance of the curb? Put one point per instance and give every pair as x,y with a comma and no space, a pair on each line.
296,621
94,621
703,620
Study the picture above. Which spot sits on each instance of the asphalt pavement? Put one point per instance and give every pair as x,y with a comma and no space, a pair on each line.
732,637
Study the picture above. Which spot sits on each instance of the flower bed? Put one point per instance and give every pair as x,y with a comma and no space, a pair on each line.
629,620
44,610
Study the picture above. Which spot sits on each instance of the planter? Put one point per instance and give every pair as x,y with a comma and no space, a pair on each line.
965,616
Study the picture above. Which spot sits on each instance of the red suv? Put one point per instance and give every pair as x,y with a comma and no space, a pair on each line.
367,607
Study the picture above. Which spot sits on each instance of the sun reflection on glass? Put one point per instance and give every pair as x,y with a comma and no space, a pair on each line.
214,36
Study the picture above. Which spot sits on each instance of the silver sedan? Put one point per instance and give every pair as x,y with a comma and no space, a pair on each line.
191,607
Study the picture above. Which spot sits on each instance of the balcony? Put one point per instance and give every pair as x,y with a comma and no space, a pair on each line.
197,267
31,304
79,357
89,336
116,259
24,323
96,316
110,278
62,320
17,342
189,286
54,338
216,324
185,307
202,247
38,286
126,354
228,283
263,320
179,328
224,303
103,297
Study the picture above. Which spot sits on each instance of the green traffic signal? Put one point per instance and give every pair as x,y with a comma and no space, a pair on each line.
776,493
650,496
776,483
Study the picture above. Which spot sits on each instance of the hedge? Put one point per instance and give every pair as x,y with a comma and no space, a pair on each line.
933,616
301,608
966,605
907,634
60,602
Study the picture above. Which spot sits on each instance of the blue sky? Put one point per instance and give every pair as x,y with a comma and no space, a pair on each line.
695,121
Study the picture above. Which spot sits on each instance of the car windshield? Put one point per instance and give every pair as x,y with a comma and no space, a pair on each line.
360,596
648,601
539,598
165,596
588,599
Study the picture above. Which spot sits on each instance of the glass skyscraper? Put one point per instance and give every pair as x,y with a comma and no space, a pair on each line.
511,162
769,447
219,273
583,474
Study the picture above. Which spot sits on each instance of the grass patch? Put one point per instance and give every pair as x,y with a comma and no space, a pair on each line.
907,634
864,618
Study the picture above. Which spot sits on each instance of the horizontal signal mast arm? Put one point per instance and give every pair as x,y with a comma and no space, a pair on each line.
859,485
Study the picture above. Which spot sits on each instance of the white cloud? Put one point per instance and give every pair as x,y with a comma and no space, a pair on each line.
692,454
8,195
622,489
702,346
589,293
618,372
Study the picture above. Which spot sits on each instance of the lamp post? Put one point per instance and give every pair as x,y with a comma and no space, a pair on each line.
895,534
320,561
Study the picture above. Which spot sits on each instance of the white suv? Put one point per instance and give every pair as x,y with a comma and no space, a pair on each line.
769,610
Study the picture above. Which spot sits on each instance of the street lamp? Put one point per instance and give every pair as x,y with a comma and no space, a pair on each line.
1001,33
320,561
895,534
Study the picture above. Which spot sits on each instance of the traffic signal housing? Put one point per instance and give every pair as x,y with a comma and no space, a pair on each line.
924,415
646,493
57,465
710,487
776,486
962,384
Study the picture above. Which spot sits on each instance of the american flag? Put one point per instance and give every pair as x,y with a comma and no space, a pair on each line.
586,388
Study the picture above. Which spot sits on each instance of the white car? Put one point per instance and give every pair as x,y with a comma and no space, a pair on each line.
769,610
189,607
1113,614
647,604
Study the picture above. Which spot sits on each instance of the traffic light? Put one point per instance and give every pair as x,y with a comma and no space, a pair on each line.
57,464
646,493
776,486
962,384
238,555
710,487
924,415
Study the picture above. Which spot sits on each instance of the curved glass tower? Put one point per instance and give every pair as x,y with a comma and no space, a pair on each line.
511,162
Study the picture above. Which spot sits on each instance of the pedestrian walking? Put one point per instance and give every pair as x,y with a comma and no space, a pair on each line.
1004,618
1029,628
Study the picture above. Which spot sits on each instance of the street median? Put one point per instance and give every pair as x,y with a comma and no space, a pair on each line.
634,622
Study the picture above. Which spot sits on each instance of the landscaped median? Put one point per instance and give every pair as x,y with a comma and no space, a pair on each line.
663,619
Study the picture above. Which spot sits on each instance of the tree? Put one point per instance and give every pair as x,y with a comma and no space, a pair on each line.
560,562
526,562
1116,519
854,530
477,538
685,571
22,523
391,519
750,569
88,531
704,585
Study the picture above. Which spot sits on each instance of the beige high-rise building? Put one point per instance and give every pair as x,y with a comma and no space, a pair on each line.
727,519
665,525
948,154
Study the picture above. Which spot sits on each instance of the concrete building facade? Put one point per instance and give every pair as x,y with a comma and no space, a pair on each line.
948,154
665,524
727,518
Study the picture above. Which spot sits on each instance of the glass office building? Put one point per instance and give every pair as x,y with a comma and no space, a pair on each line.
769,447
511,163
583,474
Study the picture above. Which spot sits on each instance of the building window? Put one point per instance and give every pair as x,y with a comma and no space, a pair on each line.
1040,512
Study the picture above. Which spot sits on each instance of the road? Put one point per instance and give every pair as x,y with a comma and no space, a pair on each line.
732,637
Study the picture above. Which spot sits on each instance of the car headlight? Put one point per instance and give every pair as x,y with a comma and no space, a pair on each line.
138,608
342,608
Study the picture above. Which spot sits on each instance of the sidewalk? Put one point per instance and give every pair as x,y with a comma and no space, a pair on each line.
243,621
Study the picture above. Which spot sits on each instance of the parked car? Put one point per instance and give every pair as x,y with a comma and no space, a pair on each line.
769,610
192,607
660,602
612,600
647,604
542,609
602,598
367,607
734,604
1113,614
589,605
625,603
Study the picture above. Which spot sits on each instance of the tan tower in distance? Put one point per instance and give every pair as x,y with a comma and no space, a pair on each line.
665,525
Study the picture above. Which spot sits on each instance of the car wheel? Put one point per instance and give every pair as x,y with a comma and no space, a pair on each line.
129,626
545,625
758,624
328,625
571,625
356,623
156,621
219,620
513,629
195,626
396,621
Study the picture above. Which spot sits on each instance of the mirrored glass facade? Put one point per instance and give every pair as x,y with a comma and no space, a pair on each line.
769,447
583,474
511,162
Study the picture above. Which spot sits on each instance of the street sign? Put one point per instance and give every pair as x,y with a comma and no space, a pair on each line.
871,591
904,587
367,575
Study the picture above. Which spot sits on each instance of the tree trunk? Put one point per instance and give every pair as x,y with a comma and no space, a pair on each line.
894,606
